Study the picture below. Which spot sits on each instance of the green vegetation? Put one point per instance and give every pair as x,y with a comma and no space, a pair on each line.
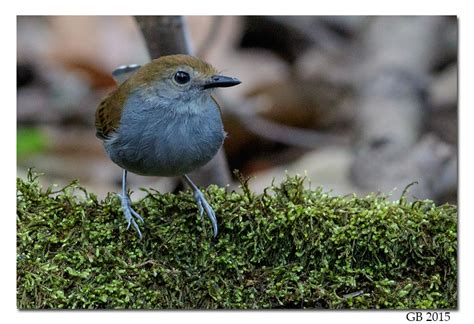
29,141
290,247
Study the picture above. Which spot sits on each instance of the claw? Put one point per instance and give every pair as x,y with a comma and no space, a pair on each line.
137,215
201,210
203,205
129,214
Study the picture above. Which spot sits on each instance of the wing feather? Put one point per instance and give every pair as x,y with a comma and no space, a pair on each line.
108,115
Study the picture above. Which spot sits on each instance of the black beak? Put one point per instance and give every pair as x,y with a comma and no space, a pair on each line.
221,81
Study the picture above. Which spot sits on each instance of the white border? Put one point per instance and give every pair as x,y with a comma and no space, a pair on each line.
228,7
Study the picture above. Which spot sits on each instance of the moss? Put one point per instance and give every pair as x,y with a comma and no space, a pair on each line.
290,247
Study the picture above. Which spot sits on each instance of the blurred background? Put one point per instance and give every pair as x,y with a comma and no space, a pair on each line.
357,104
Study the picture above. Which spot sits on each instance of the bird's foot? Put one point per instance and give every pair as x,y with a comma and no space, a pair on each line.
204,206
130,214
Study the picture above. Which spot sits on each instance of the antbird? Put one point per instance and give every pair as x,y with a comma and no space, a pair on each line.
163,121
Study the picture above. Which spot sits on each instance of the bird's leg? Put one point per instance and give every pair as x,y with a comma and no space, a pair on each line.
128,212
202,204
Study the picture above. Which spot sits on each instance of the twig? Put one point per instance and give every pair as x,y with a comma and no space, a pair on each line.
353,294
164,35
274,131
210,37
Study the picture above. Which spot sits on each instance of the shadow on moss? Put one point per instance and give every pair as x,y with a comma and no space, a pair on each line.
288,248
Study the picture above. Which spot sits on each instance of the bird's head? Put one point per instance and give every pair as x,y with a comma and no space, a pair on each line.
178,77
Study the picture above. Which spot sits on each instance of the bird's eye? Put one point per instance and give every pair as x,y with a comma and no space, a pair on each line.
182,77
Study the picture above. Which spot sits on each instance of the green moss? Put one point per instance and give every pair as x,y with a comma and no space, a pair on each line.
288,248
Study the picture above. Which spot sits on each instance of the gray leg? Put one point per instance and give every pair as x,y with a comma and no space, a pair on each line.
128,212
202,204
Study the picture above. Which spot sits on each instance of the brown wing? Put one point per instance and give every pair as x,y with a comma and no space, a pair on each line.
108,114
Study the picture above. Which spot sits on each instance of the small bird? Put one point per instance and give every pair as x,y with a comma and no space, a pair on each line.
163,121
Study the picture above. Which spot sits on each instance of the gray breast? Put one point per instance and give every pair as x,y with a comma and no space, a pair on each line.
156,140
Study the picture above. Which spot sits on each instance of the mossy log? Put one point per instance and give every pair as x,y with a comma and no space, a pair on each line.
291,247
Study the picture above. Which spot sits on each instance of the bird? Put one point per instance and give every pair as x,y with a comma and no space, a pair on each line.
162,120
